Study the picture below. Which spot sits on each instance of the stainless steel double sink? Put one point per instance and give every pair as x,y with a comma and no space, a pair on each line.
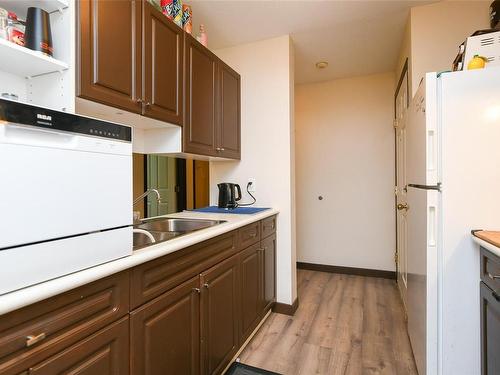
164,229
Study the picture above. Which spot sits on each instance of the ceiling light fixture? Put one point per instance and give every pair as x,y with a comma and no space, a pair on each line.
321,64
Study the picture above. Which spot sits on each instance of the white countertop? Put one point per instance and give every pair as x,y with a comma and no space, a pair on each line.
495,250
23,297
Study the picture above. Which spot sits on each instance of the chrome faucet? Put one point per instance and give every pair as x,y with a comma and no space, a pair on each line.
147,192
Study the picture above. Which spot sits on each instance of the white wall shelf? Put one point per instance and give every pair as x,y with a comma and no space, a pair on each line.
24,62
20,7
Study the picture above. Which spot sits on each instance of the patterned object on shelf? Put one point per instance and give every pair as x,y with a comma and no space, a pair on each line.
173,10
187,18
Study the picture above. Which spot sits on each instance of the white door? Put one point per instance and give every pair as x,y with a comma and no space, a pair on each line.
423,198
423,234
161,175
401,213
401,112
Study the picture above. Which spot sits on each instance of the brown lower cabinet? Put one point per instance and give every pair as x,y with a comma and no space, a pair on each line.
490,313
165,333
251,275
220,315
269,271
104,353
208,306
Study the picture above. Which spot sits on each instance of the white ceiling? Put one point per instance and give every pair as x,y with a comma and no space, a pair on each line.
355,37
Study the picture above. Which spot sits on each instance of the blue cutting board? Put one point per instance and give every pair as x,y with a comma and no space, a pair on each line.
238,210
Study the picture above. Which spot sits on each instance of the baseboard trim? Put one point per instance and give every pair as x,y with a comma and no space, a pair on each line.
283,308
347,270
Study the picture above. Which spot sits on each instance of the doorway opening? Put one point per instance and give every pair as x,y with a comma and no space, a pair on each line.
182,184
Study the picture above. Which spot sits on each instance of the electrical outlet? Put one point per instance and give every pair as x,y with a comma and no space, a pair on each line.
251,188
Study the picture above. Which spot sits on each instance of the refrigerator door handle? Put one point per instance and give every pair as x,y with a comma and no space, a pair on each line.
431,151
426,187
432,222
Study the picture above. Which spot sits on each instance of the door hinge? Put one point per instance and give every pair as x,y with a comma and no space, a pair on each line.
395,123
396,191
396,257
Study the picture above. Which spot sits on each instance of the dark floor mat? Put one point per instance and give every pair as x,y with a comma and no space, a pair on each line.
238,368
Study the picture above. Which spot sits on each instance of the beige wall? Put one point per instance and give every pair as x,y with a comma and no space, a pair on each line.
404,54
345,153
436,31
267,89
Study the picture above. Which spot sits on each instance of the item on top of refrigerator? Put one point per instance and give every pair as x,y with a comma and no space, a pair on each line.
187,18
495,14
458,63
477,62
202,38
15,29
484,43
173,10
38,36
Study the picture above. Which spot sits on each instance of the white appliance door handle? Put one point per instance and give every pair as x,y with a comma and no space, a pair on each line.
431,150
37,137
432,223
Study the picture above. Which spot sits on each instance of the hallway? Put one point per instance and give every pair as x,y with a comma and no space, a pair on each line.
345,324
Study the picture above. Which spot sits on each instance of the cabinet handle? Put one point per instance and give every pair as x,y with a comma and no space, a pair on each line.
32,340
493,277
148,104
261,249
197,290
222,149
206,285
139,101
217,149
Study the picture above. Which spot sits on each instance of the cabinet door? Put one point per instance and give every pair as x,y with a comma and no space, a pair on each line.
228,126
268,246
104,353
110,53
200,69
219,315
251,289
163,44
165,333
490,331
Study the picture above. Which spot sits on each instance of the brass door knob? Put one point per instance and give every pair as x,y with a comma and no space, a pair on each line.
401,206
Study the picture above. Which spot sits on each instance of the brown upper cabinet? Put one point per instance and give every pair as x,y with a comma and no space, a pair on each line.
200,74
131,58
228,140
163,43
110,53
212,103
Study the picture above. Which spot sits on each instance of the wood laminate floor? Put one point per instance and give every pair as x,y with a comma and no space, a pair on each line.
345,324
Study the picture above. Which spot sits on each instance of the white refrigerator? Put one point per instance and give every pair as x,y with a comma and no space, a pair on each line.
453,186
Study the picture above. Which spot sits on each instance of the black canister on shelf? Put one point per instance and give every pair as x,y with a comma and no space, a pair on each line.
38,35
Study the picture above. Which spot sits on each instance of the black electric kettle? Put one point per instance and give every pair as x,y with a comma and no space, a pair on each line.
227,195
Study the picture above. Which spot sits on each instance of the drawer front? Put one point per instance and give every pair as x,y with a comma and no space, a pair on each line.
151,279
104,353
55,323
268,226
490,270
248,235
